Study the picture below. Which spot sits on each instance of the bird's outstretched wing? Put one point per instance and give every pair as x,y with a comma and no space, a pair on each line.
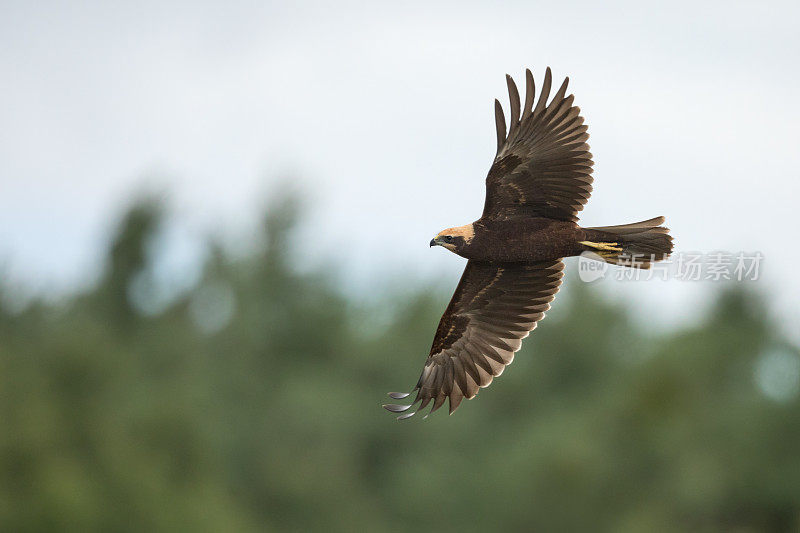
494,307
543,166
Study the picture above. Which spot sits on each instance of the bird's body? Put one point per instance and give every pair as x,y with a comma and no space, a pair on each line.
539,181
526,239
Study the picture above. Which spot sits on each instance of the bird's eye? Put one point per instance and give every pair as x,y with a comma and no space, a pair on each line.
449,238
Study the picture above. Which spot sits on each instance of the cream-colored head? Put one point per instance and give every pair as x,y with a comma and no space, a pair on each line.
454,238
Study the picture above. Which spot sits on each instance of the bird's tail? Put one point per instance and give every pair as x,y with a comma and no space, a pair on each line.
638,244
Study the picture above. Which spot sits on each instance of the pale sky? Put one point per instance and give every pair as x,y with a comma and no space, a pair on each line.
382,112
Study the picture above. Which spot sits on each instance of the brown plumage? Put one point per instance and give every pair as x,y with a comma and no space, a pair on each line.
540,179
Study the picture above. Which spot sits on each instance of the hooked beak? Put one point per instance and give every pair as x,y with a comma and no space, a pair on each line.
433,243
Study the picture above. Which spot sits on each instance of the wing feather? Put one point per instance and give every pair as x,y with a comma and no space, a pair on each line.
543,165
500,124
513,96
494,307
530,93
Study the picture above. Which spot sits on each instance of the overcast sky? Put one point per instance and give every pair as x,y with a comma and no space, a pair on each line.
382,112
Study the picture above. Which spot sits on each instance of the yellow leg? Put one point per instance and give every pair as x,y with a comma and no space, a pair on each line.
602,246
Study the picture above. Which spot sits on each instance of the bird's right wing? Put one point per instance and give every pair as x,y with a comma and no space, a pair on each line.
494,307
543,167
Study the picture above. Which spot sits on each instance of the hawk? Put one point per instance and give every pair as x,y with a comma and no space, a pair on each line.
540,179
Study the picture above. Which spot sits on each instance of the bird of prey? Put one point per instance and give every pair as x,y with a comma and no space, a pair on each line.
540,179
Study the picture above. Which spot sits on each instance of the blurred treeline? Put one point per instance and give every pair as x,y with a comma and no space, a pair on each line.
252,403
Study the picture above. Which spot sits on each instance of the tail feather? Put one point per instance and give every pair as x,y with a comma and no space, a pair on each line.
634,227
638,244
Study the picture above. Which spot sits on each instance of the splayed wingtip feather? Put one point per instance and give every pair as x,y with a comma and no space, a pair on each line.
396,408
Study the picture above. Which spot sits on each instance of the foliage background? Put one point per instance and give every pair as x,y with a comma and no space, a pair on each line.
252,403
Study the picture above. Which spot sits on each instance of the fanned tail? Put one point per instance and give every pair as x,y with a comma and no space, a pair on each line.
637,245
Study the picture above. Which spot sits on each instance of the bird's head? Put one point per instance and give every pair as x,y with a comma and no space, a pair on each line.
454,239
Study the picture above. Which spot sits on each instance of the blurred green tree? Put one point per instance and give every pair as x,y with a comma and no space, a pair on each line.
252,403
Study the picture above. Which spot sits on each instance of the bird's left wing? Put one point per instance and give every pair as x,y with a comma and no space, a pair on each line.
543,167
495,306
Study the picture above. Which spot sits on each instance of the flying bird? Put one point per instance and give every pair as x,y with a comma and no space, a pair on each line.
540,179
